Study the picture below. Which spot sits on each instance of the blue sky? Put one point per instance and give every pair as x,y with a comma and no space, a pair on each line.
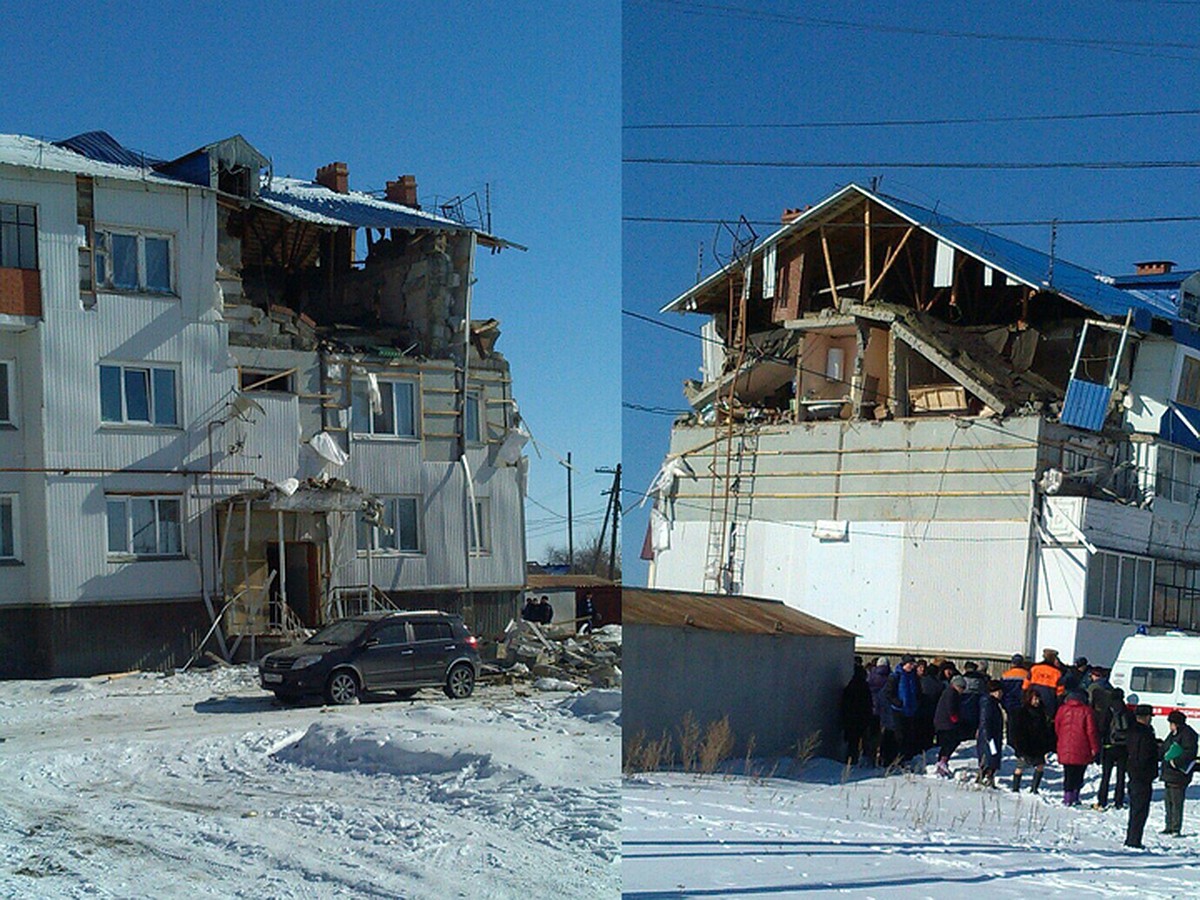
524,96
733,61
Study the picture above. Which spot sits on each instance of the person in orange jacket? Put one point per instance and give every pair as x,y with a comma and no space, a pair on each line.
1046,679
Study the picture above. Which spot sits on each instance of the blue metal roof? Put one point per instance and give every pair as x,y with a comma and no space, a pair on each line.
1034,268
1180,425
1164,280
102,146
313,202
1086,404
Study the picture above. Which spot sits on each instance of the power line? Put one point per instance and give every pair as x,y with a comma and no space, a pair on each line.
656,410
1092,165
1008,223
1157,48
899,123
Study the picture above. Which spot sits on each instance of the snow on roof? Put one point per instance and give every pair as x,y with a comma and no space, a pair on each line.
312,202
31,153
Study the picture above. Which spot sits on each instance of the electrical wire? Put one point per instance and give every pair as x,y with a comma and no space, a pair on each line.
1158,49
1028,165
899,123
1000,223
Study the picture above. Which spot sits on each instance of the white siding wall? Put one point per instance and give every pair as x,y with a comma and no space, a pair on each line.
179,331
1152,384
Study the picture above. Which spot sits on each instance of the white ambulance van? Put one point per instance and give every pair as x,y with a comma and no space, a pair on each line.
1162,670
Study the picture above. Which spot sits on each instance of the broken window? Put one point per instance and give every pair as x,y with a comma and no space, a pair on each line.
142,395
399,530
144,527
1188,391
9,546
389,410
133,262
266,380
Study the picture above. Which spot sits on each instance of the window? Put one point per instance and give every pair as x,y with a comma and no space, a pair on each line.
10,547
1191,681
145,526
472,418
381,407
138,394
18,236
6,400
391,634
1177,477
1118,587
133,262
432,631
1153,681
399,529
480,528
1188,392
1176,595
266,380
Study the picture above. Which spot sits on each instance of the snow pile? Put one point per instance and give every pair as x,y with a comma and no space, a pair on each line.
554,684
596,706
334,749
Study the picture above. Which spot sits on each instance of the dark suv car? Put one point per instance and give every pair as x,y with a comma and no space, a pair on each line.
391,651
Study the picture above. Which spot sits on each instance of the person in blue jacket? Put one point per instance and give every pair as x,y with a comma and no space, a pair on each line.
989,739
903,695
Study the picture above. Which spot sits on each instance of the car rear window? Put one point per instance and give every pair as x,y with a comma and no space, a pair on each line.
1155,681
431,631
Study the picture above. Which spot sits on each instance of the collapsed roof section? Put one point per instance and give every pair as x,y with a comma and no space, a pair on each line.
893,309
344,261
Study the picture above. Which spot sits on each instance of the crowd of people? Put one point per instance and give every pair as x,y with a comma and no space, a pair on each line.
893,715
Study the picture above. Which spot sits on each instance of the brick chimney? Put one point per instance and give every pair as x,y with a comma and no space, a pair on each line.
335,176
1154,267
791,215
403,191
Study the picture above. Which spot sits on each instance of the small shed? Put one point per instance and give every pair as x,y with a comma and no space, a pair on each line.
776,672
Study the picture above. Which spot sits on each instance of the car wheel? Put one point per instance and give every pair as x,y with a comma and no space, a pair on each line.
342,687
460,682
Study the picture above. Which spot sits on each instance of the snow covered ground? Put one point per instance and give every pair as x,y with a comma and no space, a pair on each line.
829,832
201,785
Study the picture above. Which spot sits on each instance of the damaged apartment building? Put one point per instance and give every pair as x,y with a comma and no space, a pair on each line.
938,438
236,406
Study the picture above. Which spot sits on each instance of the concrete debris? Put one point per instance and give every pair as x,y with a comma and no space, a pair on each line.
558,658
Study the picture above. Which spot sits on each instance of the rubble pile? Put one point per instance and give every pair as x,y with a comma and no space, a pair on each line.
556,657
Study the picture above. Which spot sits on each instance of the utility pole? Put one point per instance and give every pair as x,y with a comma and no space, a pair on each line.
613,507
570,516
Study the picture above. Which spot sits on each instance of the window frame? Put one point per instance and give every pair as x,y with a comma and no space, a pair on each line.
129,553
150,368
253,380
475,401
8,393
376,536
358,392
480,544
102,254
1127,572
21,227
12,501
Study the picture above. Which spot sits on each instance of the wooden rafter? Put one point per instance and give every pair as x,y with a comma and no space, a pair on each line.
829,268
889,259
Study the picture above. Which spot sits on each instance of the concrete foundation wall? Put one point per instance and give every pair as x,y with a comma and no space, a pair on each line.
780,689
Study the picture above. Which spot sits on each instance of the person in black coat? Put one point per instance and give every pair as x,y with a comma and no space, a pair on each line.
1179,758
947,722
1031,735
1142,764
856,714
1113,752
931,690
989,739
